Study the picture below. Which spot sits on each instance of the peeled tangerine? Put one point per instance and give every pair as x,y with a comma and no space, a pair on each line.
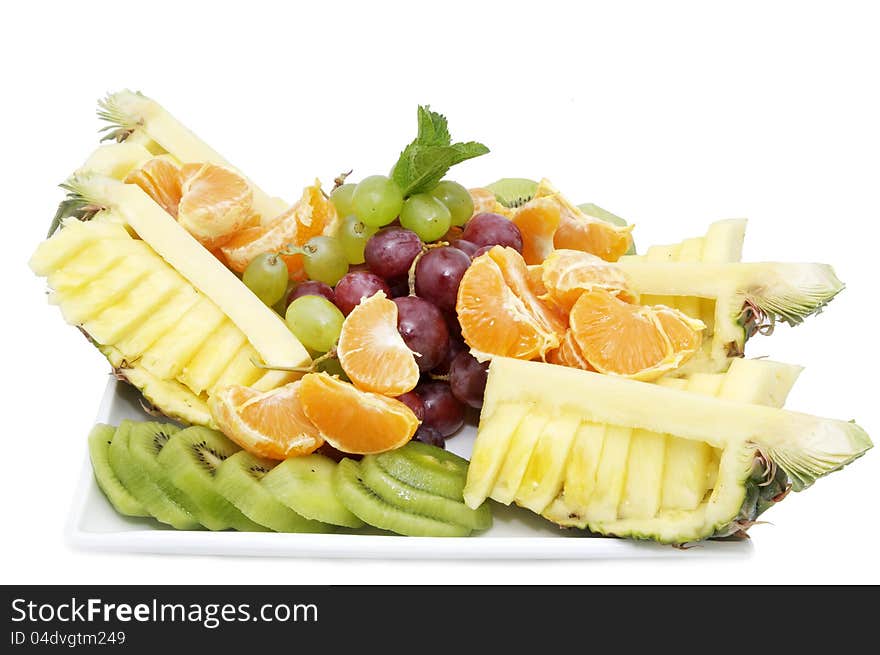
499,309
371,351
634,341
549,221
312,215
212,202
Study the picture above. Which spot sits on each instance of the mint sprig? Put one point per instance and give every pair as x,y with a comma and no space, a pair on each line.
425,161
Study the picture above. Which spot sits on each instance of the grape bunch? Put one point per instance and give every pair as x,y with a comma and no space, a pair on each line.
395,244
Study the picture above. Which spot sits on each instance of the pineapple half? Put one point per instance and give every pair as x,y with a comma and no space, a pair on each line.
170,318
703,277
675,462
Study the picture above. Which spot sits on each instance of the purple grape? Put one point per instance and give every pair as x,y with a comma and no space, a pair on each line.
482,250
354,287
312,288
443,412
399,286
465,246
390,252
438,275
412,400
467,379
456,345
423,329
452,324
431,436
493,230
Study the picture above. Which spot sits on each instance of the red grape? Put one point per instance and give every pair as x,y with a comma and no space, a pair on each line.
456,345
465,246
438,275
482,250
443,412
423,329
467,379
312,288
493,230
390,252
399,286
412,400
354,287
431,436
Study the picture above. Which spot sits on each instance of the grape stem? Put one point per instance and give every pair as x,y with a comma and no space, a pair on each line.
438,377
340,179
311,368
411,274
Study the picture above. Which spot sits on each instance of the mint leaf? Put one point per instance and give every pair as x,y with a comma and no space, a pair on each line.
425,161
433,128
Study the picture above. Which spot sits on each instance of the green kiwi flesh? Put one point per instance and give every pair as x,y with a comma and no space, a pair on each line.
305,485
99,452
238,480
428,468
138,481
416,501
354,493
190,459
513,192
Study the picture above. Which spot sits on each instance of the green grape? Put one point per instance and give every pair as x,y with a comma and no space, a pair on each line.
281,306
353,236
457,200
426,216
333,367
325,260
266,276
315,321
341,199
377,200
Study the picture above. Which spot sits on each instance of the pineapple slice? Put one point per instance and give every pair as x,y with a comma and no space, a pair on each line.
203,370
137,120
545,471
518,453
624,423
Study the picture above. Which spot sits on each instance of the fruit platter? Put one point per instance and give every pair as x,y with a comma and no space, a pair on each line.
399,358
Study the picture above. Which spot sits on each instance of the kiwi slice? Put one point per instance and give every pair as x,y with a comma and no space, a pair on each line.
416,501
354,493
428,468
146,441
99,447
603,215
190,460
513,192
238,479
139,483
305,485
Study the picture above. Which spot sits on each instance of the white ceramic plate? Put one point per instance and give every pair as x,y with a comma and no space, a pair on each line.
516,533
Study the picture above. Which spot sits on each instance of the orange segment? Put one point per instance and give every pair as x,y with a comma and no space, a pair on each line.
578,231
215,203
538,221
485,201
371,351
353,421
685,333
499,311
619,338
569,354
566,274
313,214
161,180
270,424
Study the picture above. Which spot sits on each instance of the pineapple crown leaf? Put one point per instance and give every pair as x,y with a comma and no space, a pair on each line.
76,204
791,299
120,123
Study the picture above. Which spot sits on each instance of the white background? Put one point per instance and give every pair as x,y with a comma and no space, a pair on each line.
670,114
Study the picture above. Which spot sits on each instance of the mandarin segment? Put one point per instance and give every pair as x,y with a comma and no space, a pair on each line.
372,352
538,221
215,203
566,274
620,338
161,180
684,333
271,424
312,215
569,354
354,421
499,311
